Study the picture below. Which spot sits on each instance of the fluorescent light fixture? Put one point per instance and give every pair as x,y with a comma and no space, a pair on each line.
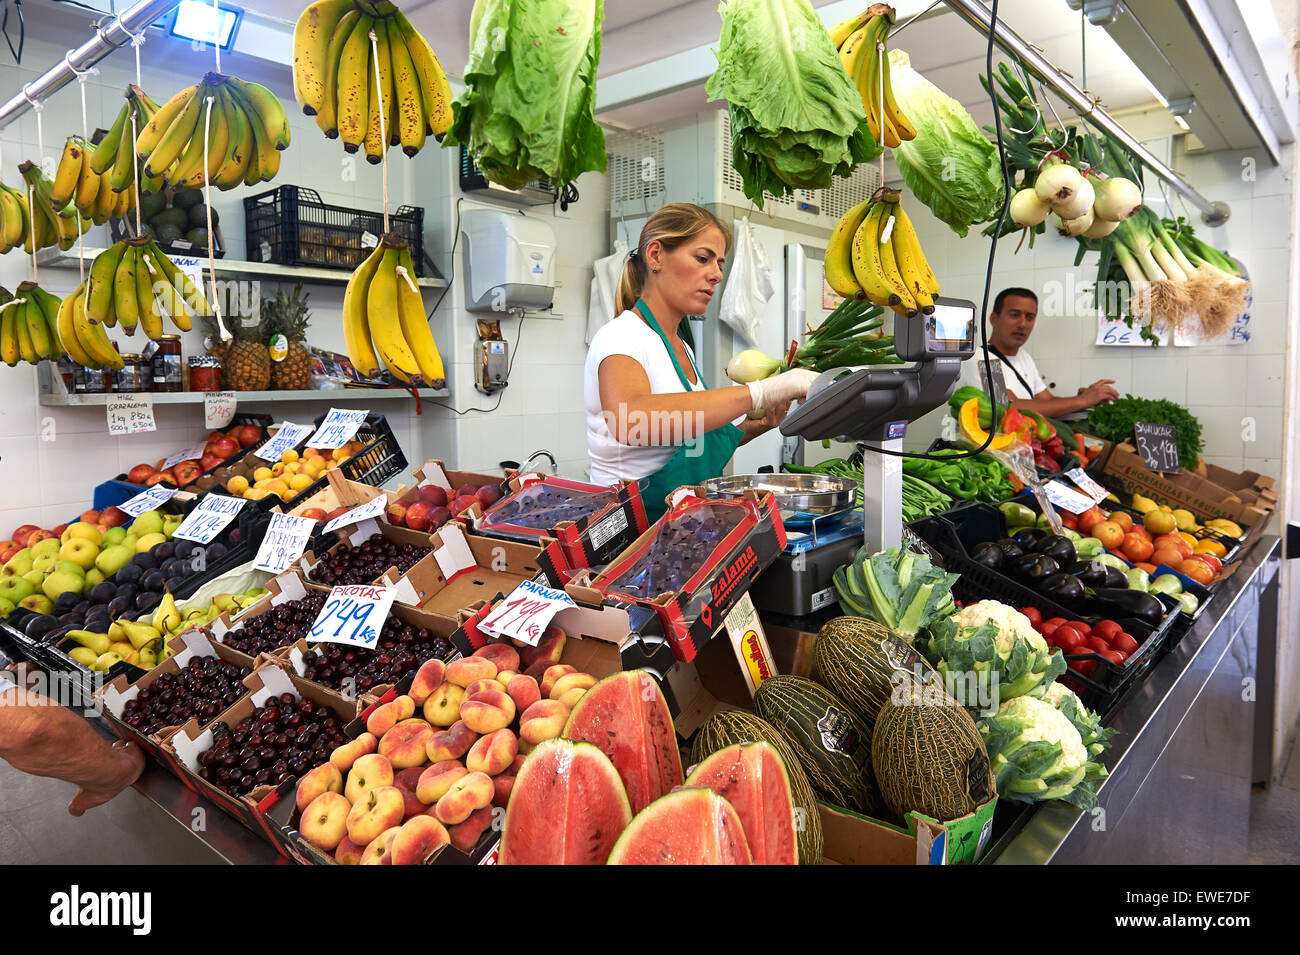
203,22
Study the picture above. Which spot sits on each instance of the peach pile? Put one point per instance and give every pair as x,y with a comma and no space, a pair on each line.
435,763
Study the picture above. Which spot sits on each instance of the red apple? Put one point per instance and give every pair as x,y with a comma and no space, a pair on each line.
89,517
461,503
58,530
8,549
140,473
467,490
337,512
488,495
160,476
432,494
396,514
210,461
24,531
186,472
246,434
113,516
437,517
314,514
224,447
417,516
41,534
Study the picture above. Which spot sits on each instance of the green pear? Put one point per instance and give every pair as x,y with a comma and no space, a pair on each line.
50,545
93,641
130,541
20,563
121,648
45,562
114,535
150,522
70,567
113,558
38,603
148,542
83,655
35,578
94,576
106,661
170,525
6,605
14,589
148,658
139,634
61,582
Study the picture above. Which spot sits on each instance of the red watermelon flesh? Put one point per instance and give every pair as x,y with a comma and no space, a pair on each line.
692,826
567,807
626,716
751,777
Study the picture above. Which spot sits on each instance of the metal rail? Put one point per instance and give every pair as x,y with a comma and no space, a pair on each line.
979,16
118,32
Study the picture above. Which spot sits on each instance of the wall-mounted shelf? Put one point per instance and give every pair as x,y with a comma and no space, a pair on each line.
58,259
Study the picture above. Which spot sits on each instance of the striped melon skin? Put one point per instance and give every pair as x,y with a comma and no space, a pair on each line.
735,726
830,742
928,755
857,660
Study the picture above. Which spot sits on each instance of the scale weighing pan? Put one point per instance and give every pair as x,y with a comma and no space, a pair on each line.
803,499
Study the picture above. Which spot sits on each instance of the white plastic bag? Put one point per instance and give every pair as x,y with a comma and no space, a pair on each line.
749,286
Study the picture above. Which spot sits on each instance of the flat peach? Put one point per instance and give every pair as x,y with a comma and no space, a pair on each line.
387,715
492,753
420,837
571,698
348,753
379,850
324,778
488,711
465,795
550,648
552,674
543,720
451,743
466,670
479,685
435,780
431,675
348,852
369,772
407,780
324,822
466,835
442,708
504,656
524,691
374,813
571,681
404,744
502,786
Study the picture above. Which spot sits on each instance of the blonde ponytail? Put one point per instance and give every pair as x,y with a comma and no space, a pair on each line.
670,226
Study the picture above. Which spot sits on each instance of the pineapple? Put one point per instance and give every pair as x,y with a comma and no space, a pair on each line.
246,364
287,315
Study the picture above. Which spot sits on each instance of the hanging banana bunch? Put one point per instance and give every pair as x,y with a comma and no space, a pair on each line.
114,156
13,218
48,223
91,193
29,325
85,342
334,77
135,284
874,253
868,66
383,313
244,137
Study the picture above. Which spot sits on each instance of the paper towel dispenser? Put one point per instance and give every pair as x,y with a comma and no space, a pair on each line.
509,261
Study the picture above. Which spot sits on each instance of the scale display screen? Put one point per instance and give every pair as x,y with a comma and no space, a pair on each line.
950,329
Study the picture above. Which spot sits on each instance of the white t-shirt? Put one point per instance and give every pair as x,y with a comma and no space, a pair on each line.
627,335
1022,361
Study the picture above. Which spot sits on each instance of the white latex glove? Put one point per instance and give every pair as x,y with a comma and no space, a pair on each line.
781,389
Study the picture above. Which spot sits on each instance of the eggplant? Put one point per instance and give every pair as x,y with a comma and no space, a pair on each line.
1027,537
1009,548
988,554
1121,602
1059,548
1063,588
1091,573
1114,578
1032,567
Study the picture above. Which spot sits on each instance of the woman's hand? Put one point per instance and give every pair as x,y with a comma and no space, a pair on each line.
772,418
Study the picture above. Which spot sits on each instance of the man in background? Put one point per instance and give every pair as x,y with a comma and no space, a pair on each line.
1010,325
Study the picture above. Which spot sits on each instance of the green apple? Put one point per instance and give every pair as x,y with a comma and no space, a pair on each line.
15,589
44,563
81,529
35,578
80,550
38,603
6,605
70,567
45,547
170,524
61,581
20,563
150,522
114,535
94,576
113,558
148,542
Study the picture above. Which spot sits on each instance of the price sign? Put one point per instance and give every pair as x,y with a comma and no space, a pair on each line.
372,508
285,438
1158,445
189,454
192,267
1067,497
207,520
354,615
1086,484
218,409
147,500
1112,331
285,540
337,429
130,414
526,612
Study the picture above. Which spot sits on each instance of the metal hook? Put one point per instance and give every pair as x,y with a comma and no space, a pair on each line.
79,74
1038,113
36,105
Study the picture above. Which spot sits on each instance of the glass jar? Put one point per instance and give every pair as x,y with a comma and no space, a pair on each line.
167,364
135,374
205,373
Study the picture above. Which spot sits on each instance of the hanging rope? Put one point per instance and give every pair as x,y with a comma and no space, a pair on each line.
884,64
81,76
135,173
222,332
137,41
31,231
216,46
37,107
383,135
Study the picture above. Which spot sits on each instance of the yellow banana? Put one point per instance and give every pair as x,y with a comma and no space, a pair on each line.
10,351
328,111
125,301
895,112
917,268
189,167
356,331
68,173
386,324
866,259
25,349
865,62
406,93
239,149
846,28
99,296
194,298
849,50
95,339
88,185
415,324
354,86
150,318
889,267
172,299
381,99
148,138
38,333
67,332
263,107
15,217
311,41
177,136
839,253
434,89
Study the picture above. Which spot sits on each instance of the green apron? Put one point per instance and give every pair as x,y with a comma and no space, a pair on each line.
693,463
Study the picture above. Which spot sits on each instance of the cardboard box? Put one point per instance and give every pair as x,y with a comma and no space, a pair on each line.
590,541
465,569
691,615
1255,489
358,534
285,588
438,474
851,839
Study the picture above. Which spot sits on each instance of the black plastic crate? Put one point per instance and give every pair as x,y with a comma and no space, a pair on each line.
291,225
1233,545
958,530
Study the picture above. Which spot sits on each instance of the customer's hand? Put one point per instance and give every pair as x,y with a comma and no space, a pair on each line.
128,764
1098,391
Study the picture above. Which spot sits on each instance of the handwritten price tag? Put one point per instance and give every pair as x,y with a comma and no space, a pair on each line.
191,266
1158,445
354,615
285,438
218,409
130,414
1067,497
1086,484
372,508
526,612
286,538
155,496
337,429
189,454
1114,332
208,520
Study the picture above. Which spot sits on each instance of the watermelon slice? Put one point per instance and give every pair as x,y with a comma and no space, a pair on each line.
752,778
567,807
692,826
626,716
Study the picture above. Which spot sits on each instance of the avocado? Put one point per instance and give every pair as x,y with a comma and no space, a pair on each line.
199,216
197,237
186,198
151,204
178,218
166,234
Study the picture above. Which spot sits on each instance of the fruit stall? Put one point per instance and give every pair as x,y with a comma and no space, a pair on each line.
928,614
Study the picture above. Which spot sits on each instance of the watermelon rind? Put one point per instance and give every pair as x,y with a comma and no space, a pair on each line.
744,771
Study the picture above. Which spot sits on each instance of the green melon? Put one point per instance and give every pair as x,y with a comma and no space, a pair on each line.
736,726
928,754
828,739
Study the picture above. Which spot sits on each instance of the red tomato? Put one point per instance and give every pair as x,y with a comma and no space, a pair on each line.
1116,658
1048,629
1107,629
1083,627
1098,645
1035,617
1085,667
1124,643
1056,620
1070,640
1070,625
